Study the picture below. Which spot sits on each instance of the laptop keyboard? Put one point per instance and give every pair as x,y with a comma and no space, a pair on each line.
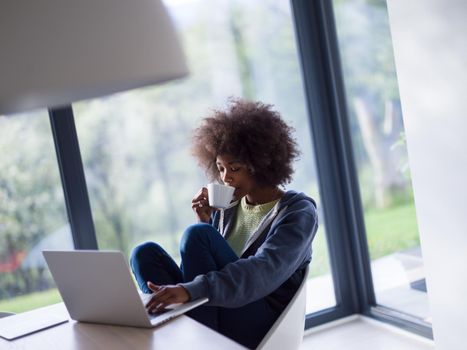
145,297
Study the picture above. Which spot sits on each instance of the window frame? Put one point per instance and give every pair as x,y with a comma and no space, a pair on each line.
339,188
73,180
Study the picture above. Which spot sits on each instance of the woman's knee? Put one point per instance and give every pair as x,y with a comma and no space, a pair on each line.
195,235
144,251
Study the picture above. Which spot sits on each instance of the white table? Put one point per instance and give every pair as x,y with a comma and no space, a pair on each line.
180,333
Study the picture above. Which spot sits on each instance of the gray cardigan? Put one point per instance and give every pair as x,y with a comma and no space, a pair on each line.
273,262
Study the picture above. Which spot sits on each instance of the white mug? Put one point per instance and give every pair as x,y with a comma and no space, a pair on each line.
220,196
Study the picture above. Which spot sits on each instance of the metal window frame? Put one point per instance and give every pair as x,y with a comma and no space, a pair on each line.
318,48
73,179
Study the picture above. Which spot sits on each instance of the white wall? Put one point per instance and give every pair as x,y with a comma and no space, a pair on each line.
430,45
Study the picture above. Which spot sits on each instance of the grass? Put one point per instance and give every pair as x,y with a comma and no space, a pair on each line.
30,301
388,231
391,230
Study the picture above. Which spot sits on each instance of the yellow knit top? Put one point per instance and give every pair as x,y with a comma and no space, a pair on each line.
247,220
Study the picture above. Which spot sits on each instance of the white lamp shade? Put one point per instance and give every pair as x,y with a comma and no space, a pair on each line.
54,52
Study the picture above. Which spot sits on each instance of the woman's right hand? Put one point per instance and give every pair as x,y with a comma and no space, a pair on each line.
200,205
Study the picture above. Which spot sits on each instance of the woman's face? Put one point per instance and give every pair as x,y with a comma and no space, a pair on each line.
235,173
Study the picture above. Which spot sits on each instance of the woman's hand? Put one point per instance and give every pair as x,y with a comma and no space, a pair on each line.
200,205
165,295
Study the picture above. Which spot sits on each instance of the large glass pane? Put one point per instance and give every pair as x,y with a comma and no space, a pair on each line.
135,145
381,155
32,211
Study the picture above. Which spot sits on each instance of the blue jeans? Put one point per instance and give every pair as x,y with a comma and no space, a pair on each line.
202,250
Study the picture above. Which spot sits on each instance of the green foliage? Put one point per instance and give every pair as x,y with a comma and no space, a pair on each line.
31,206
31,198
375,116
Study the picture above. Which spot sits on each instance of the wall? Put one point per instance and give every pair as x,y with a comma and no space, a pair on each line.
430,46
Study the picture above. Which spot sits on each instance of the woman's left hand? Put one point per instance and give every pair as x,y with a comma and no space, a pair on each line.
165,295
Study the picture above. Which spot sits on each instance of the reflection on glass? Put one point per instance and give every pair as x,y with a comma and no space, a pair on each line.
32,211
381,156
135,146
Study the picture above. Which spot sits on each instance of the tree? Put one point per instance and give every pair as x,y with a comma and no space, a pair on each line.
372,94
31,196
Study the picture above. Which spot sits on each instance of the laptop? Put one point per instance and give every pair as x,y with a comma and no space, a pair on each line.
97,287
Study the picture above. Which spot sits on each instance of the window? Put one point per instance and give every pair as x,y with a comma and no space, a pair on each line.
379,147
135,145
32,211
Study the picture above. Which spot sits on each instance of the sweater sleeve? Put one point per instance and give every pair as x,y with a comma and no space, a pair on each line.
286,248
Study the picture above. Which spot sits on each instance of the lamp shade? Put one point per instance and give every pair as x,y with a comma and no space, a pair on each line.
54,52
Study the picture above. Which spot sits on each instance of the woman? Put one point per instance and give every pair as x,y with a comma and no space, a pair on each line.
250,258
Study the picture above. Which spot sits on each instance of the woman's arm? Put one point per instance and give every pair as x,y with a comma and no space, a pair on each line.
286,248
164,296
